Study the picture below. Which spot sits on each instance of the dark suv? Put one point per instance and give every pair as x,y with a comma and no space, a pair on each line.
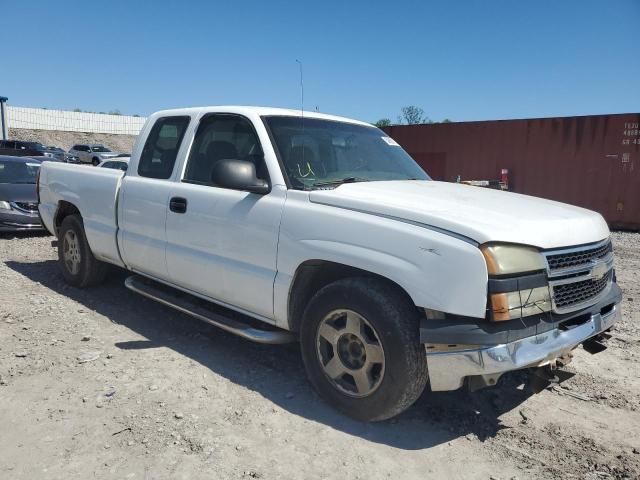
32,149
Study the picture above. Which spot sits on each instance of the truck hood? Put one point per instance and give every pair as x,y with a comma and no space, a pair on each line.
481,214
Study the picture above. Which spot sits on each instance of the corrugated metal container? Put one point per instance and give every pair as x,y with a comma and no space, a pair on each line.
591,161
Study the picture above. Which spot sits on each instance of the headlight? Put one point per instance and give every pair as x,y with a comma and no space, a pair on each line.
4,205
520,291
512,259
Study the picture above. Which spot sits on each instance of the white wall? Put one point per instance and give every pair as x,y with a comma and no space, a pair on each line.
41,119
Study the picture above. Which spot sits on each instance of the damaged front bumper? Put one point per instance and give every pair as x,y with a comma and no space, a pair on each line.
450,364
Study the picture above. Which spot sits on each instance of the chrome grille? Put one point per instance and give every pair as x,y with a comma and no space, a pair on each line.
579,276
577,258
577,293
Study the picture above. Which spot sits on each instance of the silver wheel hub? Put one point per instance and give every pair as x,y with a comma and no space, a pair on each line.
71,252
350,353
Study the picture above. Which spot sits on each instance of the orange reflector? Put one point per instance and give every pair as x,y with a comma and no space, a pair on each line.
492,266
499,307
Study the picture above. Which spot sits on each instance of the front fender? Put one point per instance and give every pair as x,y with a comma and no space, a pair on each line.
437,270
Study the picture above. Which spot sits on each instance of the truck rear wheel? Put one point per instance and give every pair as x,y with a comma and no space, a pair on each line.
79,267
361,348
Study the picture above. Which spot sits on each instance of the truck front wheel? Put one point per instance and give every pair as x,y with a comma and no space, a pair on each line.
79,267
361,348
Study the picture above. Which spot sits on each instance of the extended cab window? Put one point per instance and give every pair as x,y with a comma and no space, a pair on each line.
223,137
161,148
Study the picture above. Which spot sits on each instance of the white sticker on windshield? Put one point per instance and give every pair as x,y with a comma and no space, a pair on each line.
390,141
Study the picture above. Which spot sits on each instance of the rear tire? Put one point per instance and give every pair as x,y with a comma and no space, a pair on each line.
95,161
361,348
79,267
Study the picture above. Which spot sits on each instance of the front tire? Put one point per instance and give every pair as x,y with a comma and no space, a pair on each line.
361,348
79,267
95,161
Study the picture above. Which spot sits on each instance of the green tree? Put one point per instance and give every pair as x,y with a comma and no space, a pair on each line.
77,110
383,122
412,115
446,120
115,112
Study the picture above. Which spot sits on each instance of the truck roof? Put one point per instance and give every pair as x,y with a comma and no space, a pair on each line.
261,111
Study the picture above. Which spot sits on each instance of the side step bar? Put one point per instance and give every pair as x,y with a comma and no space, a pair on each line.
197,308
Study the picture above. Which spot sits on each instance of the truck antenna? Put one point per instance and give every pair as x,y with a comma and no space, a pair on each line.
301,89
301,110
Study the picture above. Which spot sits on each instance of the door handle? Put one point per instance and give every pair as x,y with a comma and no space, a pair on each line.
178,205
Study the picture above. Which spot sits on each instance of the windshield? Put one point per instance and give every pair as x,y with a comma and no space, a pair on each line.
18,172
318,152
100,148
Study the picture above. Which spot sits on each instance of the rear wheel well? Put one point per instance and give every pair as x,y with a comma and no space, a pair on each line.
313,275
64,210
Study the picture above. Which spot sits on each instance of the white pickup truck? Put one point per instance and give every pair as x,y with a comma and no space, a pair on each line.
279,226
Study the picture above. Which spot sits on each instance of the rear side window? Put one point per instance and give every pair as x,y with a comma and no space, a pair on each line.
161,148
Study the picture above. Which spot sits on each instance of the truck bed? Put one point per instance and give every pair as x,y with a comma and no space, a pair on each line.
94,192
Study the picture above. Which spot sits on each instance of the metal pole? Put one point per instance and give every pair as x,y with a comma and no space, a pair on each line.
4,128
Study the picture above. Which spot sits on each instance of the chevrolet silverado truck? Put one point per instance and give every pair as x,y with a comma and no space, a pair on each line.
280,225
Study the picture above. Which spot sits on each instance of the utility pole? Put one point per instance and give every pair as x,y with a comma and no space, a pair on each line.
4,128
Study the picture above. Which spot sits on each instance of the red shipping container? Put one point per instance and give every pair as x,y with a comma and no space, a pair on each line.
590,161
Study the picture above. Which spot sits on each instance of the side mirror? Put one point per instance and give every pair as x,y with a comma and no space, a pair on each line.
238,175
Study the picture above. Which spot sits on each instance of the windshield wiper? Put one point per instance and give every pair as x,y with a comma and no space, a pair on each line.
339,181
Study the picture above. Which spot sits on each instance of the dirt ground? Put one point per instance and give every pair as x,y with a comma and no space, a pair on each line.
103,383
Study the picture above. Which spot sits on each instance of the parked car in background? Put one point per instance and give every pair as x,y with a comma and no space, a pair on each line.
58,150
66,157
69,158
92,153
34,149
118,163
18,198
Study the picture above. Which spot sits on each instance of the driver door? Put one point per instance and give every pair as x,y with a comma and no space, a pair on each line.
222,243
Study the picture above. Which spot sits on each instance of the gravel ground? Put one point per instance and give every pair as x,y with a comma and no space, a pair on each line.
106,384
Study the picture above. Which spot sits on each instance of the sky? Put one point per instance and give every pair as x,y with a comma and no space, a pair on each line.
462,60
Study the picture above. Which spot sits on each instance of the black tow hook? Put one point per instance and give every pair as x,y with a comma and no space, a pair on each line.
597,343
